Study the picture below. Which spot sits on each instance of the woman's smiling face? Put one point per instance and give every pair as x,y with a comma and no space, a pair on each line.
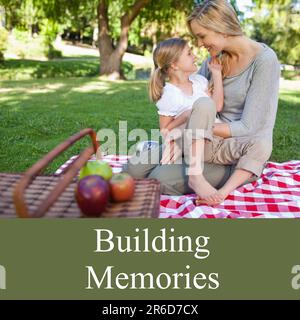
214,42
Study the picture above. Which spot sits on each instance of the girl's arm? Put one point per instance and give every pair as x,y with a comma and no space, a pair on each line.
171,151
218,94
168,123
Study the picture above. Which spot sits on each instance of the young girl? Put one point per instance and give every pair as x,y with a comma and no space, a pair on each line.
174,60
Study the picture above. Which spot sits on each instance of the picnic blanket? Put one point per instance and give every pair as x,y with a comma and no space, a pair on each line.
276,194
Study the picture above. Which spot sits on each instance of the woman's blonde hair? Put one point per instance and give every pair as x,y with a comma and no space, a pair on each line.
218,16
166,53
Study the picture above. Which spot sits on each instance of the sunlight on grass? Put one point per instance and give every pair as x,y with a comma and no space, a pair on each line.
54,86
7,90
37,89
290,96
46,89
92,86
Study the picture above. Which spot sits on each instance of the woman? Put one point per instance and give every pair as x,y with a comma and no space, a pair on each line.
251,84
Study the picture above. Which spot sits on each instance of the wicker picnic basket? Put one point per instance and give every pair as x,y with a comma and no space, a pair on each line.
34,195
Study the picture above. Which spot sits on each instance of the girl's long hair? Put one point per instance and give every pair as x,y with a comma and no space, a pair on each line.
218,16
166,53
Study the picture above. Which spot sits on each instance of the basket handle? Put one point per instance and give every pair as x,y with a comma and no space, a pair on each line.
31,173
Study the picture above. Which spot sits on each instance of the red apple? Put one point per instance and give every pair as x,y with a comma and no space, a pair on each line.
122,187
92,195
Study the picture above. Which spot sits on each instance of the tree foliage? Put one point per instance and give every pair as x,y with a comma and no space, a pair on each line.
3,42
277,23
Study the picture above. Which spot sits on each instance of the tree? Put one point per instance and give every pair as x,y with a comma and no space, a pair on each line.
111,50
277,23
118,22
120,15
110,57
3,42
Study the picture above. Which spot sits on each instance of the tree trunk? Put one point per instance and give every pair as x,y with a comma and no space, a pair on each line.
2,17
110,66
111,58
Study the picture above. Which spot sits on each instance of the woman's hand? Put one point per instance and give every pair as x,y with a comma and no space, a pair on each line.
222,130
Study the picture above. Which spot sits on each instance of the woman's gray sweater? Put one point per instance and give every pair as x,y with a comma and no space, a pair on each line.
251,97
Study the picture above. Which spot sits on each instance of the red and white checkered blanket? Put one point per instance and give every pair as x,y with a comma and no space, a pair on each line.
276,194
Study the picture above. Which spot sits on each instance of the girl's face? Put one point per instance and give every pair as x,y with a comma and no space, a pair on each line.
214,42
187,61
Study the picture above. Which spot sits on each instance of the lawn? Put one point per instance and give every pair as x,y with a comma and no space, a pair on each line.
13,69
37,115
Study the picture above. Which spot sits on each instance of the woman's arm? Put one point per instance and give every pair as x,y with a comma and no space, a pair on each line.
262,98
222,130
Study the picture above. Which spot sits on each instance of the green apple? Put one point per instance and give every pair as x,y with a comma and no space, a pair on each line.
97,167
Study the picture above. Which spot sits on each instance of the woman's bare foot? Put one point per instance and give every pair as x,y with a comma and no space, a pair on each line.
201,187
223,192
235,180
212,200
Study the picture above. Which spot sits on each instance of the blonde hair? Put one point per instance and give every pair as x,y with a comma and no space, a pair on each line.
166,53
218,16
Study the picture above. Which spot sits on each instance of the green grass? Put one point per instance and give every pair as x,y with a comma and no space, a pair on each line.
37,115
286,145
61,68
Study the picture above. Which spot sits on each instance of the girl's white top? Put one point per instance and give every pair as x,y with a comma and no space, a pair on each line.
174,101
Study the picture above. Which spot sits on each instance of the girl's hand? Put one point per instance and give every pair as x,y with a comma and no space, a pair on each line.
171,153
214,66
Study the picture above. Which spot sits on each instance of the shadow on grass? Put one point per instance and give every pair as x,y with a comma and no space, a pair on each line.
68,90
59,68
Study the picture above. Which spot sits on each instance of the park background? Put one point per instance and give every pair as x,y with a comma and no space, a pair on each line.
58,74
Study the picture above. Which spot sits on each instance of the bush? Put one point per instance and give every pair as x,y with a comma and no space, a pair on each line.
3,42
24,46
291,74
49,31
